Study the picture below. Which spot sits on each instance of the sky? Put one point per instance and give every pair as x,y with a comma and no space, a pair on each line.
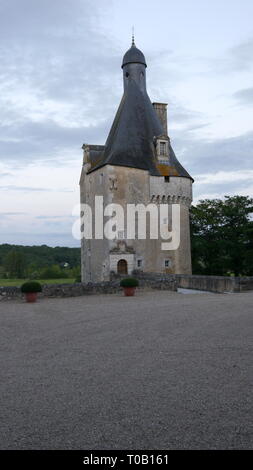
61,84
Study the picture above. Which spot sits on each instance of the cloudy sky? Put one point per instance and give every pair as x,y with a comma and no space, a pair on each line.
61,83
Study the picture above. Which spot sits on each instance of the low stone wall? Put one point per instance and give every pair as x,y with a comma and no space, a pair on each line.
7,293
245,283
219,284
64,290
74,290
170,282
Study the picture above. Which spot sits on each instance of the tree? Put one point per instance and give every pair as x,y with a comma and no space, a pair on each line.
15,264
222,236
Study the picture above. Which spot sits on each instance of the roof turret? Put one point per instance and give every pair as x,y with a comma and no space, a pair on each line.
134,56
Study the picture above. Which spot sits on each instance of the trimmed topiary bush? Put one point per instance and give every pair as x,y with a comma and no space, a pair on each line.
30,287
129,282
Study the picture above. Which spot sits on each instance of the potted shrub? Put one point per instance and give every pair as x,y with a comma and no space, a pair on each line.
31,289
129,285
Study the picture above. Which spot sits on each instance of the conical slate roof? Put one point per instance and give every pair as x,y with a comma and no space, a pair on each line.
131,141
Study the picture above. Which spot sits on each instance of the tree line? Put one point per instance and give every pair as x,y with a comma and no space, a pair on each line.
222,236
39,262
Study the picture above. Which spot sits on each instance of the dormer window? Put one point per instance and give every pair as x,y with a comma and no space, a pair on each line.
162,148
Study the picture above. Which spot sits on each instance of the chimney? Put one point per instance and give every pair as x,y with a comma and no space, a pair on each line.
161,111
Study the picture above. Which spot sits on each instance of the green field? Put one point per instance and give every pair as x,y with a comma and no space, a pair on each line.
18,282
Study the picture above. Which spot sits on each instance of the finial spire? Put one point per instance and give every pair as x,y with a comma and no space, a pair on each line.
133,44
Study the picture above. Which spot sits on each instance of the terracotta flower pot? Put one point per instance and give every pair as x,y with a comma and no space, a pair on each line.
31,296
129,291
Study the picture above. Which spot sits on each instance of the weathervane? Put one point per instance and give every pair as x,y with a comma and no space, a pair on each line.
133,44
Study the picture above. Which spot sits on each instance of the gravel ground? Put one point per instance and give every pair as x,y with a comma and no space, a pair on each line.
160,370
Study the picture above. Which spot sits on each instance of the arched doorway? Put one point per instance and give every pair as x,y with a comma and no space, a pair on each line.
122,267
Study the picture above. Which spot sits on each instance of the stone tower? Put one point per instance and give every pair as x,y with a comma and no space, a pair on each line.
137,165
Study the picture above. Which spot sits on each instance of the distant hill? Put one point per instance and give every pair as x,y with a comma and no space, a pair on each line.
42,256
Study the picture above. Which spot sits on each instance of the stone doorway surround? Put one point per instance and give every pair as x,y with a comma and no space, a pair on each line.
115,258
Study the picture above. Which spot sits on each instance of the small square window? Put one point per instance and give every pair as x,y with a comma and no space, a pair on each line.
167,179
167,263
121,234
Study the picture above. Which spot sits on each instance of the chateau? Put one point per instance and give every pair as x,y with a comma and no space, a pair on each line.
137,165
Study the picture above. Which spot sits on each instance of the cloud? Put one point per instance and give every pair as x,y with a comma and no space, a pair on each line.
48,217
13,187
38,238
236,59
22,188
10,214
244,96
223,177
47,139
57,68
224,183
240,56
180,114
200,156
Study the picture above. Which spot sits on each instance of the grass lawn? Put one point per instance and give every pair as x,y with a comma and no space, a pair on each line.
18,282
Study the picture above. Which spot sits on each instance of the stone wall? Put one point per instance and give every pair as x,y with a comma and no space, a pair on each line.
219,284
8,293
77,289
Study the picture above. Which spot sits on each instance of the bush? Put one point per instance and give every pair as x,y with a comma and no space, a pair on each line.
31,286
78,278
34,275
53,272
129,282
75,272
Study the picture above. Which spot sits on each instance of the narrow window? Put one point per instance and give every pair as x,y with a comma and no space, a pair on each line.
139,263
162,148
167,263
167,179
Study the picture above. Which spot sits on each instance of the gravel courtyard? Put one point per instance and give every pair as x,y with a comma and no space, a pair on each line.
160,370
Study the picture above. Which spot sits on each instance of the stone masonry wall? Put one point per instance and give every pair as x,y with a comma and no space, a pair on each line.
77,289
218,284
